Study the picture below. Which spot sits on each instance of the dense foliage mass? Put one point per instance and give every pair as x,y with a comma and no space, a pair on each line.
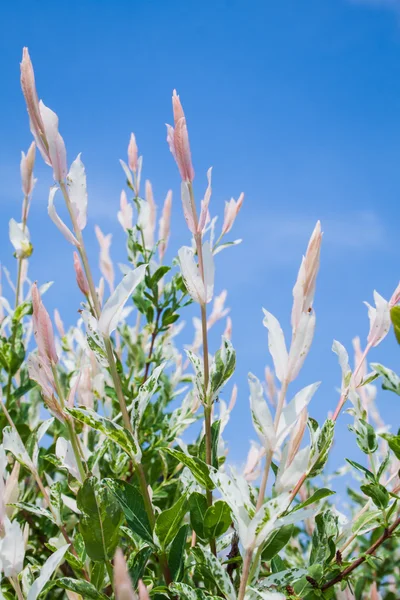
102,494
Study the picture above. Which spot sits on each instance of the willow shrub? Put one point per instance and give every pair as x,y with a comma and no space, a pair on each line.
102,495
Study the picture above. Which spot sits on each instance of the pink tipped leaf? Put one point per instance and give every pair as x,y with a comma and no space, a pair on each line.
42,328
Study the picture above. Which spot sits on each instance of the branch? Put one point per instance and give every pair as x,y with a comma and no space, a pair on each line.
371,550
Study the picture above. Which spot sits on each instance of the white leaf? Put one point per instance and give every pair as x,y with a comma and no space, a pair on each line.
112,309
51,209
19,237
301,344
66,456
288,476
38,436
379,318
292,411
13,443
236,493
191,274
51,564
71,504
261,414
76,180
187,207
127,172
276,345
343,357
12,549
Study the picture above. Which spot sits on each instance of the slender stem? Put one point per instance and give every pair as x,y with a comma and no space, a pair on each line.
245,573
111,362
268,458
359,561
297,487
17,293
206,366
345,392
19,271
70,426
261,494
16,585
97,307
152,341
75,447
336,414
117,383
44,493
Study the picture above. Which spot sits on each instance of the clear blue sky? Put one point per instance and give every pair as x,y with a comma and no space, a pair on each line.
295,103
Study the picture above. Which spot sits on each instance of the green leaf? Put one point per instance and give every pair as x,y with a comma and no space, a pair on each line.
217,519
378,494
176,556
100,520
198,468
320,447
198,507
111,430
222,367
35,510
365,436
84,588
168,522
359,467
395,318
315,497
131,502
276,541
157,275
213,568
97,575
22,310
186,592
393,441
137,564
391,381
323,539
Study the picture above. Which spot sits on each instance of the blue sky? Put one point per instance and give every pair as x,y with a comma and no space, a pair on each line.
296,104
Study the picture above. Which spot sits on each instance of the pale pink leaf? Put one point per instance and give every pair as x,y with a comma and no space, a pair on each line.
276,345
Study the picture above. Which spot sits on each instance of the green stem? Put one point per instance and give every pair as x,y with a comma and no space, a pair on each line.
70,426
206,369
97,307
117,383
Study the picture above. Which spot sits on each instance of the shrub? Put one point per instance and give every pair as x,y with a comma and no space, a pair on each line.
102,495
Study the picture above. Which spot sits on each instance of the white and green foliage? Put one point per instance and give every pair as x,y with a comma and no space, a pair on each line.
129,488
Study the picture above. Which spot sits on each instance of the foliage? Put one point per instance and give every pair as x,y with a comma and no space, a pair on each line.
109,486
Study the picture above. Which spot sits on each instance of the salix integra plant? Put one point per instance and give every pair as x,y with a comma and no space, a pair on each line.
114,474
